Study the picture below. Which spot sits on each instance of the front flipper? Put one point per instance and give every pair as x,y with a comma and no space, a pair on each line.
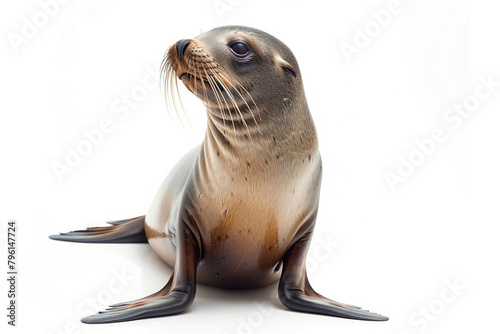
296,293
175,297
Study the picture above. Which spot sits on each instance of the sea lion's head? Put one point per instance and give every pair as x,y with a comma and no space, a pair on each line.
238,72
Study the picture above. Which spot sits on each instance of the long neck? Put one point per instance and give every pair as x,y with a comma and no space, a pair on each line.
272,130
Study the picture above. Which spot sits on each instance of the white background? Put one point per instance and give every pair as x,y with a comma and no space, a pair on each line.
393,251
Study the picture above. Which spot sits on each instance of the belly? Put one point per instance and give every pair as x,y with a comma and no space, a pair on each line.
241,248
243,242
241,256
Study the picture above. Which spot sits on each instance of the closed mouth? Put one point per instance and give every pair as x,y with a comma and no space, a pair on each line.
187,79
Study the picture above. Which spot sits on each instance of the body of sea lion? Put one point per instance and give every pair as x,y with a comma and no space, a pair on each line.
239,210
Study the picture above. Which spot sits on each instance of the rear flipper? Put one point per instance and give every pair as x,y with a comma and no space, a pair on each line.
121,231
296,293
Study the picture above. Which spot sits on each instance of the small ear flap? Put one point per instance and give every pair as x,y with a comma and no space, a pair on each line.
286,66
290,71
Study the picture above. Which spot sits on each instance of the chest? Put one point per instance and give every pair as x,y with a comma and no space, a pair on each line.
258,199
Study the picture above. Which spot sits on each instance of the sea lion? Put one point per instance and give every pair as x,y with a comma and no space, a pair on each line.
239,210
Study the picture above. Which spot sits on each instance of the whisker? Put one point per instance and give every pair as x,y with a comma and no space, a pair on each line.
162,72
191,78
214,74
244,100
166,78
237,108
219,102
167,90
172,96
180,101
205,95
233,101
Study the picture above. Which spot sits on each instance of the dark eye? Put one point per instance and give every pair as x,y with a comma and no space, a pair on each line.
239,48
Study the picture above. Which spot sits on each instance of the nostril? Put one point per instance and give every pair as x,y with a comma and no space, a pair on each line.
181,47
